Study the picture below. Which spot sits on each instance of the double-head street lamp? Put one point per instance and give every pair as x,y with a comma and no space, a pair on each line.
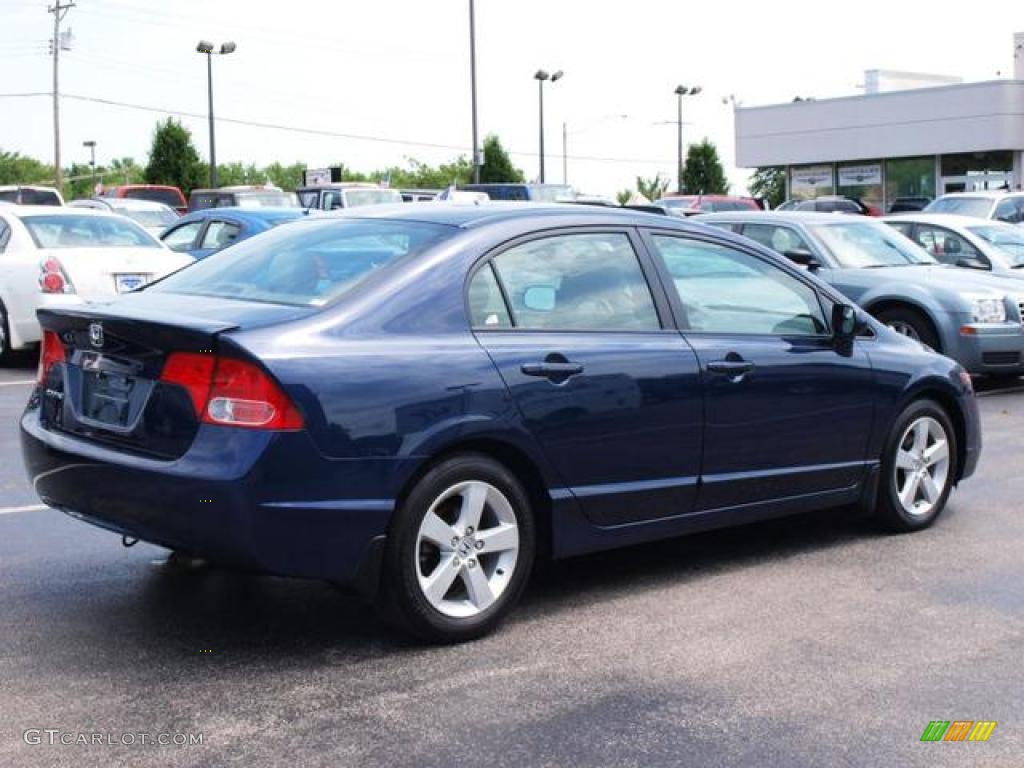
680,91
540,76
208,48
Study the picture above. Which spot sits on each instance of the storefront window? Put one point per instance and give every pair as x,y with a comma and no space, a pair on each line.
909,182
807,181
862,181
977,171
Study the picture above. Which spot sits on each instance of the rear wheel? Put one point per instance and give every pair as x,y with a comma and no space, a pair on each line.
460,550
918,468
912,324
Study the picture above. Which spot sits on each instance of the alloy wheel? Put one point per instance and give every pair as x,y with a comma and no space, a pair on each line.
467,548
922,466
904,328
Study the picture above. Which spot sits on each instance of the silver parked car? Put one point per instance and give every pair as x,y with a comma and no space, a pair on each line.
961,241
973,317
1001,206
152,216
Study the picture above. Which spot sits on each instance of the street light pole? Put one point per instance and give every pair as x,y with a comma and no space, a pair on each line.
680,91
92,159
541,75
565,141
472,81
207,48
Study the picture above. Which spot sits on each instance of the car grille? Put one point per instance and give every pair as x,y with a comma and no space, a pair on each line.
1000,358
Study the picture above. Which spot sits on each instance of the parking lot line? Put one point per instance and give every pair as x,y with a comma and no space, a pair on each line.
16,383
29,508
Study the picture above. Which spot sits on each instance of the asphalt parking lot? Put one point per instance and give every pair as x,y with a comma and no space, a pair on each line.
806,642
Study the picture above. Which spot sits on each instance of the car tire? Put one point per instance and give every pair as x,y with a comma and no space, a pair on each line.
911,323
5,337
918,468
459,551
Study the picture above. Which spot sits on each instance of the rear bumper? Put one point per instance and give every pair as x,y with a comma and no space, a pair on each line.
264,500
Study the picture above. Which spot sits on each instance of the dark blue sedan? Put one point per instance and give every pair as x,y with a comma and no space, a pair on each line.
208,230
419,402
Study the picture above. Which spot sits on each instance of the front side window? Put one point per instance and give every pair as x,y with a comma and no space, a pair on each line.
220,234
77,231
949,247
723,290
585,282
181,238
779,239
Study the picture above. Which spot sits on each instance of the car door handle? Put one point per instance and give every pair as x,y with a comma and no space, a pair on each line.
554,366
731,367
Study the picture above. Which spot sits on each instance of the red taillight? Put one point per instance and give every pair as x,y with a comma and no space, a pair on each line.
50,352
52,278
232,392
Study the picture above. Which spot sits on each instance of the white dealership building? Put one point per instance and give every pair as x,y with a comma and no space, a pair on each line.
908,135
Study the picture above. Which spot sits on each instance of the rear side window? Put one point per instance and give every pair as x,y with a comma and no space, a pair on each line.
311,263
585,282
487,307
220,234
165,196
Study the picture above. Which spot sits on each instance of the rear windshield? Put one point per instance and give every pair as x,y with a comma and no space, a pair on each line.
858,245
1008,239
75,231
309,264
149,218
357,197
978,207
27,196
165,196
266,198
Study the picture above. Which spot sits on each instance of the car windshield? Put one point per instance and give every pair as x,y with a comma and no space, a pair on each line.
267,198
357,197
859,245
150,217
1008,240
979,207
76,231
552,193
310,264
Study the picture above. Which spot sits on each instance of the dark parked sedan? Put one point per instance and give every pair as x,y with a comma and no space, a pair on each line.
420,401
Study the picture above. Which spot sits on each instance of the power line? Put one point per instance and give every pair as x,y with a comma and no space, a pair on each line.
321,131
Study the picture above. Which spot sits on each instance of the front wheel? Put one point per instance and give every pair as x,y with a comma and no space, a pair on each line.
918,468
460,550
912,324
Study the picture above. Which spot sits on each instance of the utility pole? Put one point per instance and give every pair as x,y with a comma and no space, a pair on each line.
472,79
59,11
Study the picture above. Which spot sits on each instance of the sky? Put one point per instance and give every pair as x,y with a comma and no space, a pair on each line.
391,77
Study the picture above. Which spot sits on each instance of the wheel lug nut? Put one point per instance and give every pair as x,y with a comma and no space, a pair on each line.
469,530
456,562
471,563
479,545
455,541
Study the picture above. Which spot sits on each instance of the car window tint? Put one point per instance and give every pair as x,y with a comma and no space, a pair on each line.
486,305
181,238
587,282
948,247
220,234
779,239
903,227
723,290
69,230
1006,210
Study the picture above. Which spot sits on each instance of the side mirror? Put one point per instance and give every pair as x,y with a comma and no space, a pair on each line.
845,323
803,257
539,298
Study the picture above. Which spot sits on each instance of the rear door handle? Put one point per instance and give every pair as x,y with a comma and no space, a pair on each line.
731,367
551,370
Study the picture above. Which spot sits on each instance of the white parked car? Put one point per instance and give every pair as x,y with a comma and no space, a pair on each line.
1002,206
961,241
152,216
52,256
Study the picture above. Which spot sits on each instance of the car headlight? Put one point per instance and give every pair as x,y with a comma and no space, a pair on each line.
989,310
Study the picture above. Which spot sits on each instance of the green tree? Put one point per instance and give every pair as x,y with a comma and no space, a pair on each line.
173,158
18,169
703,173
497,166
770,184
623,197
124,170
652,188
287,177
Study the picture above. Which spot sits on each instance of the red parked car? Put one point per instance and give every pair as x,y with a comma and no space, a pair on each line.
158,193
709,203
